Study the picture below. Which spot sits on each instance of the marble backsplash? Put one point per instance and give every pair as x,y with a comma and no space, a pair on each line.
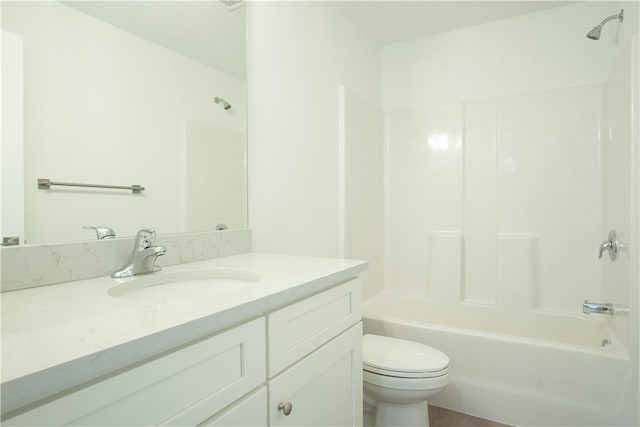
39,265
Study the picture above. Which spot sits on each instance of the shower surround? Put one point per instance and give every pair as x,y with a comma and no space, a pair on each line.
510,155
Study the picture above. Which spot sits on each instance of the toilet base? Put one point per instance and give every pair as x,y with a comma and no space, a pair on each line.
402,415
401,407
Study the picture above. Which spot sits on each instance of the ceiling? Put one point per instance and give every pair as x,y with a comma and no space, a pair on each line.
207,31
214,34
394,21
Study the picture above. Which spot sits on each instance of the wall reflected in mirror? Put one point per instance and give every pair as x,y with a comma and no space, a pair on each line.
122,93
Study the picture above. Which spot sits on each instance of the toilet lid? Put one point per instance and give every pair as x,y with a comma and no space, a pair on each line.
401,357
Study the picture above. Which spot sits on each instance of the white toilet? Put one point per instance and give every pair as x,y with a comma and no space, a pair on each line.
400,376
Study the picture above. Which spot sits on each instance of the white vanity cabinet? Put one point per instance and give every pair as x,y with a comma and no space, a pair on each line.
315,360
324,389
306,356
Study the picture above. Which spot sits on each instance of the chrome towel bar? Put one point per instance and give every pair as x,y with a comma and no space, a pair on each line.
46,183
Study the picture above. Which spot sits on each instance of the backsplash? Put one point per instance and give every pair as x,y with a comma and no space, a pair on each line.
39,265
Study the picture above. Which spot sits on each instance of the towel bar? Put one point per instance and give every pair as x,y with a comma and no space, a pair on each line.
45,184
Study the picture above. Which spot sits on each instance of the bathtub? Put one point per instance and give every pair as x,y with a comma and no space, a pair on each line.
533,368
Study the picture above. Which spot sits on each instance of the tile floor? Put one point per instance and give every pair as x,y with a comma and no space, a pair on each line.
440,417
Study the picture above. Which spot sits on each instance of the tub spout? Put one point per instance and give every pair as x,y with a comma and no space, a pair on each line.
604,308
594,307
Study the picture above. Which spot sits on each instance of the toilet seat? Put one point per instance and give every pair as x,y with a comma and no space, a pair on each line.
408,384
393,357
404,374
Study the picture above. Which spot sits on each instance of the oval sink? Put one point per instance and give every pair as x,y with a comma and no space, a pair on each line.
195,283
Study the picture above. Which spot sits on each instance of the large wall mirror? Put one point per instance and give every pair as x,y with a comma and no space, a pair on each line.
122,93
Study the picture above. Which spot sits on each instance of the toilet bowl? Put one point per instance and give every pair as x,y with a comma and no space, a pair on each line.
399,376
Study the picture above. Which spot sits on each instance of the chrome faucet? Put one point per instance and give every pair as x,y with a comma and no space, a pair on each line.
604,308
611,245
102,233
144,255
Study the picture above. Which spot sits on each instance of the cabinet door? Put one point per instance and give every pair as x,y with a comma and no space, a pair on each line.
324,388
249,411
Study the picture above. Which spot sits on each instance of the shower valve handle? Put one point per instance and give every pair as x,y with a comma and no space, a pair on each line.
612,246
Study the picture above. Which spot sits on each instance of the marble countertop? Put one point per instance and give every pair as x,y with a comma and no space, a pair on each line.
60,336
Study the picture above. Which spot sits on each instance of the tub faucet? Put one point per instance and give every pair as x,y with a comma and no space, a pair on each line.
144,255
604,308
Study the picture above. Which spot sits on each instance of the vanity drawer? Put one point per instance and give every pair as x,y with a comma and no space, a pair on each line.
299,329
213,373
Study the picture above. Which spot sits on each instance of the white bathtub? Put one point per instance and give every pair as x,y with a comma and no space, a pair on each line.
537,368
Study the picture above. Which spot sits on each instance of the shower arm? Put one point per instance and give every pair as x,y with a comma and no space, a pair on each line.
619,16
594,34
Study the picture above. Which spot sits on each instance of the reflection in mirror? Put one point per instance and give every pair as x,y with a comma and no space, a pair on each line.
122,93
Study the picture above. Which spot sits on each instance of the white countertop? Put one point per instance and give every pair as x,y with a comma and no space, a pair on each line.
59,336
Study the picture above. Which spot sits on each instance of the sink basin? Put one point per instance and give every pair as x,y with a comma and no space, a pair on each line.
196,283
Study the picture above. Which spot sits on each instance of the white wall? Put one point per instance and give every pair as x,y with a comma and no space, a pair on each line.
362,187
299,53
103,106
12,153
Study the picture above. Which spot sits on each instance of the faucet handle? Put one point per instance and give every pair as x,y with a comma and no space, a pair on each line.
611,245
102,232
145,238
606,246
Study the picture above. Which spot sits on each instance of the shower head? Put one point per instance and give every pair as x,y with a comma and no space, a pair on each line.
232,4
595,33
224,103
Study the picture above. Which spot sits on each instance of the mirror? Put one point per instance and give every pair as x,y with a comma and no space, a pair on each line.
122,93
